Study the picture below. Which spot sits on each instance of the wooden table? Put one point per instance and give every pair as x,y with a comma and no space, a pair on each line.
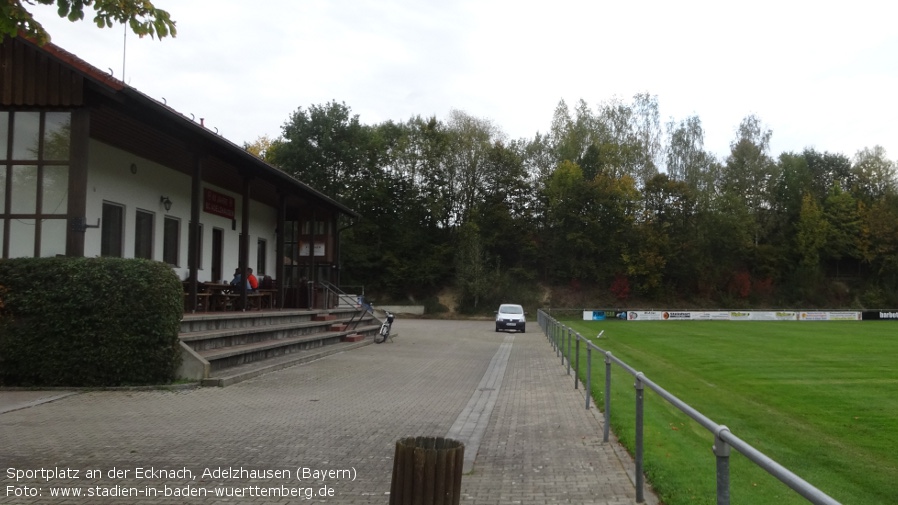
202,298
222,296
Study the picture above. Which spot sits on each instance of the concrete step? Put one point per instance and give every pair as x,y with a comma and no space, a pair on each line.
255,351
221,320
238,344
236,374
229,337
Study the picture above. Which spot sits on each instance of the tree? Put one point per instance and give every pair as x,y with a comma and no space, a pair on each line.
749,173
646,130
141,15
504,213
687,159
666,235
474,278
326,147
259,147
879,246
826,170
812,231
843,226
466,162
572,228
634,132
874,174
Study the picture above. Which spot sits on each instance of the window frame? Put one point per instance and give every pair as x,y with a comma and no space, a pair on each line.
43,135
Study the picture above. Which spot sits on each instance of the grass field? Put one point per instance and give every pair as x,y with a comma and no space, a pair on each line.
820,398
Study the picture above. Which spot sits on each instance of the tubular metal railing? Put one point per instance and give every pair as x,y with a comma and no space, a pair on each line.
334,290
561,336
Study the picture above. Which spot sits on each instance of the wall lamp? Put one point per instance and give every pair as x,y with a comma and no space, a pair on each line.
166,202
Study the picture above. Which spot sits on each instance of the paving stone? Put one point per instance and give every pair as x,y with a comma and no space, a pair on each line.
343,412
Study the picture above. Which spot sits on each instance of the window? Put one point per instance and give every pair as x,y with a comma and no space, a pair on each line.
55,186
53,237
26,135
112,230
24,190
34,181
171,241
260,257
21,243
319,227
57,135
143,235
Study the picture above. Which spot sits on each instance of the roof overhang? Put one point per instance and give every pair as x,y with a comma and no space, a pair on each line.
101,89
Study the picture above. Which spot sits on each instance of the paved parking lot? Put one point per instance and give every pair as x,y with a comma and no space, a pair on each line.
327,428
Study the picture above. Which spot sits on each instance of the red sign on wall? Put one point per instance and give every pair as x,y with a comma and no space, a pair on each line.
218,204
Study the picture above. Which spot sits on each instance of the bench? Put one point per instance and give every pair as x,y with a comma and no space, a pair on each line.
202,302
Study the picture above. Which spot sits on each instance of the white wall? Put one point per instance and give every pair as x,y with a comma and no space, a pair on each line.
110,179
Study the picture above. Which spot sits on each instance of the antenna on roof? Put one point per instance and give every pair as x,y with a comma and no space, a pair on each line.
124,49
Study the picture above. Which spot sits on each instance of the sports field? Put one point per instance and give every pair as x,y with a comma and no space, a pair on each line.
820,398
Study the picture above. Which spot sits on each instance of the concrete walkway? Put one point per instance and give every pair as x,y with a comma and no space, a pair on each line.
327,428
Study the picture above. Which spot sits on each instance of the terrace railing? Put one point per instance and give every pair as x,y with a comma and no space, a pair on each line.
336,296
561,337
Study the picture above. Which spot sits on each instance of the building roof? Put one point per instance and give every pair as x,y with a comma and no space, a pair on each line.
145,106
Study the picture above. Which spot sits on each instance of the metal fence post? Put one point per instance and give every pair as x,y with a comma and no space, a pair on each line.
568,351
561,343
555,337
722,451
588,374
577,363
640,390
607,427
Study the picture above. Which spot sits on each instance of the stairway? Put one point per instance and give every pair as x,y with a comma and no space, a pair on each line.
223,348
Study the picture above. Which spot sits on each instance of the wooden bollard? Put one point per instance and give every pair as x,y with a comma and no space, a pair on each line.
427,471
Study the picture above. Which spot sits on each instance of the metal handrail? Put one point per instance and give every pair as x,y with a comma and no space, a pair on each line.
336,291
724,440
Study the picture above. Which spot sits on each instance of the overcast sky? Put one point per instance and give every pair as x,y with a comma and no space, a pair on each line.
819,74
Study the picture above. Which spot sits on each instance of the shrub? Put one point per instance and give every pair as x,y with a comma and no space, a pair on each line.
89,322
620,288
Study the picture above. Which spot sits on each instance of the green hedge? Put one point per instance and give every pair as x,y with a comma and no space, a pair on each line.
88,322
